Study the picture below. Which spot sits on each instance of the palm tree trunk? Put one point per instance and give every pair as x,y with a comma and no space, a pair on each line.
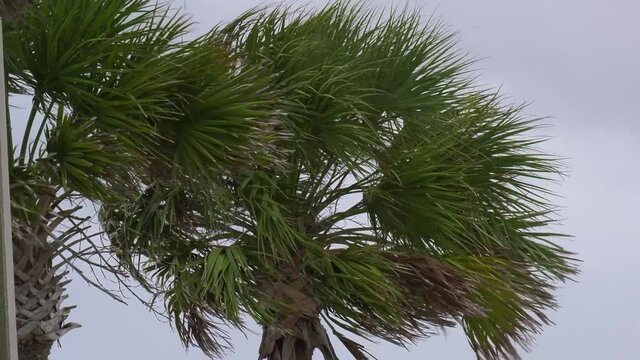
298,331
296,343
36,351
40,316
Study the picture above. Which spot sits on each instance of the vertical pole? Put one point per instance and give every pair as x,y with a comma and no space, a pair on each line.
8,336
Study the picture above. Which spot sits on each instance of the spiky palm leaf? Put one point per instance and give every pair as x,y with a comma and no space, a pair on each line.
120,105
410,200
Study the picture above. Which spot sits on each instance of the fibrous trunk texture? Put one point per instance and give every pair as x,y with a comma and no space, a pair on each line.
298,331
40,316
297,342
34,351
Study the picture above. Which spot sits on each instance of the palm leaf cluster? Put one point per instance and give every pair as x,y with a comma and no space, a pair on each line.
408,200
335,167
120,104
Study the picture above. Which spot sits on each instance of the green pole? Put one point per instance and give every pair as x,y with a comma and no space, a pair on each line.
8,336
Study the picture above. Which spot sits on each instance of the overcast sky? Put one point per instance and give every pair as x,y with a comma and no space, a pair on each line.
575,61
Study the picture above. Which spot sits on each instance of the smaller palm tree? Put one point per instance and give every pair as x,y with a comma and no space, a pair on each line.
118,102
408,200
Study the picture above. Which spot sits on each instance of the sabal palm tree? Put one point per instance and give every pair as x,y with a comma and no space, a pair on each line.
119,102
409,200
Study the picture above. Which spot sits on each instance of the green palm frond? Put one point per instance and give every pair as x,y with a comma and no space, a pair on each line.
102,59
399,198
380,111
128,116
123,66
84,161
514,298
345,72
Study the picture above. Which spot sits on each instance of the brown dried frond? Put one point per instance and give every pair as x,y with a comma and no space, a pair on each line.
198,328
436,291
10,8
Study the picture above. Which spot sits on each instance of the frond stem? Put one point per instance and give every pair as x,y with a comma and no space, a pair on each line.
34,146
25,137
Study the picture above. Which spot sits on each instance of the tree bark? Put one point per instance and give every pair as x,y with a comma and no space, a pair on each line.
40,290
298,330
287,347
34,351
40,316
296,343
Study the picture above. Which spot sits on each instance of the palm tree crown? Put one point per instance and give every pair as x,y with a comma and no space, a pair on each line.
119,102
405,198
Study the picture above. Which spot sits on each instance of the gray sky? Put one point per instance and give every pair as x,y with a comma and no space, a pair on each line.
576,61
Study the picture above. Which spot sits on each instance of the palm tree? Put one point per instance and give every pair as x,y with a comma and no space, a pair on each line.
119,103
408,200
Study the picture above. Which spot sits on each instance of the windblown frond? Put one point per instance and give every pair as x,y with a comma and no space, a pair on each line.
127,116
405,200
